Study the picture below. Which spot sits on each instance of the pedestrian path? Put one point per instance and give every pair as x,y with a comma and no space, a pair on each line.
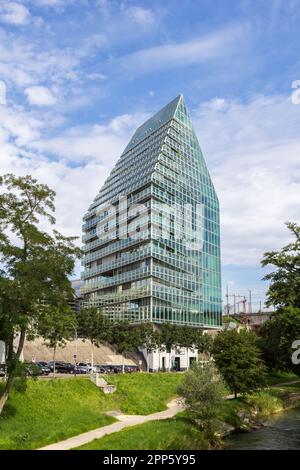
124,421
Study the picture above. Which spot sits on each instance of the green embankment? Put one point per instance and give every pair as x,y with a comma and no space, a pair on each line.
179,433
53,410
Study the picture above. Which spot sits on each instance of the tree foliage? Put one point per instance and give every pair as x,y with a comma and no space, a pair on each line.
94,325
203,391
238,359
277,337
284,287
34,282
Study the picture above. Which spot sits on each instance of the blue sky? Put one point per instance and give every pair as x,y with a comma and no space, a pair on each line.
77,77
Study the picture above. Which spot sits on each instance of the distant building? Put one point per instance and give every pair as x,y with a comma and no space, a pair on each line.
76,302
252,321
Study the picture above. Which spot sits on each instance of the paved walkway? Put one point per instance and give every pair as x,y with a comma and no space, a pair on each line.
124,421
285,383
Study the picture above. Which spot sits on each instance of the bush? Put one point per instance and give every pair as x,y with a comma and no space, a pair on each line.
264,403
203,391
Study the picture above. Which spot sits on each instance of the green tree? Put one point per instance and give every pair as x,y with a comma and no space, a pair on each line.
169,338
148,338
284,287
57,327
36,265
204,343
277,337
203,391
187,338
95,326
124,337
238,359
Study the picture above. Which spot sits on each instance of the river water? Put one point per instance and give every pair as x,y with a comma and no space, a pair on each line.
282,432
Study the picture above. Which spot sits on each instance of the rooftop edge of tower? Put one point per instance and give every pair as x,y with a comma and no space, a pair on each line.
160,118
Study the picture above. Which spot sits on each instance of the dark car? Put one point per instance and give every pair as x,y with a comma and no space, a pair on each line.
43,363
45,369
61,367
80,369
104,368
117,369
32,369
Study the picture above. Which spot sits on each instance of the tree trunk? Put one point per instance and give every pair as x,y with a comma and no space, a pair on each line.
10,376
147,361
170,361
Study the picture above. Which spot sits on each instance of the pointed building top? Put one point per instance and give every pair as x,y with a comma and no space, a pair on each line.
160,118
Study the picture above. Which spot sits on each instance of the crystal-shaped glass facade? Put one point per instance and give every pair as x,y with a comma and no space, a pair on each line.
152,235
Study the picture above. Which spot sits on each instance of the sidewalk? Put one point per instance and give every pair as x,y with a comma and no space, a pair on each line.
124,421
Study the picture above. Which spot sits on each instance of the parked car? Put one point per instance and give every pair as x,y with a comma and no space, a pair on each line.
117,369
45,369
32,370
43,363
86,368
107,369
61,367
100,369
80,369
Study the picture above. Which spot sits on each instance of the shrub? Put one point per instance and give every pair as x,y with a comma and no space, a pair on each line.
264,403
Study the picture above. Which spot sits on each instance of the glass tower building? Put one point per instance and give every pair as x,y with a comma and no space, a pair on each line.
152,234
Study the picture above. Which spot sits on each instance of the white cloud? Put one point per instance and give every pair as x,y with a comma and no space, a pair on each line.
25,63
218,103
2,92
186,53
95,143
96,76
14,13
253,152
40,96
140,15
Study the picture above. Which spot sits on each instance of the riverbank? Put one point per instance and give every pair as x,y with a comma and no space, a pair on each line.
250,411
281,432
239,415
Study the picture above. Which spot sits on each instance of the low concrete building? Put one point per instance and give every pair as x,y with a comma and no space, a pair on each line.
178,359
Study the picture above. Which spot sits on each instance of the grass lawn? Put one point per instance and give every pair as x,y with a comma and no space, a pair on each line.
179,434
144,393
49,411
280,377
170,434
53,410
